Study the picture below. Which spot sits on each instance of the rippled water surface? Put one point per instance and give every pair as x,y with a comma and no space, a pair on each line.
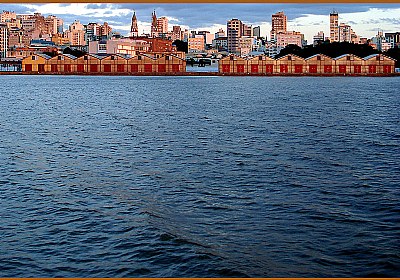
199,176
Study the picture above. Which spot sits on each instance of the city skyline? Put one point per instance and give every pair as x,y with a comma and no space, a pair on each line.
365,19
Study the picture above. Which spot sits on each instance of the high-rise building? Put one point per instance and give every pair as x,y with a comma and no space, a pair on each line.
177,33
334,26
76,34
105,30
279,24
134,26
51,25
257,31
208,37
234,29
162,25
7,16
3,40
319,38
393,38
247,30
220,33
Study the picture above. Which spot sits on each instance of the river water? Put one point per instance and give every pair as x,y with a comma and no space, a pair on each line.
199,176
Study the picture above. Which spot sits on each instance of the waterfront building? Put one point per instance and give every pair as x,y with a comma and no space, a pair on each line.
320,64
35,63
232,64
290,64
378,64
61,63
261,64
112,64
334,26
348,64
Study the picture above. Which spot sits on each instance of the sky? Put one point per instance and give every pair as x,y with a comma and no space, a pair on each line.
366,19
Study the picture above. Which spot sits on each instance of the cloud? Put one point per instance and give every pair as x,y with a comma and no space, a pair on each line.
306,18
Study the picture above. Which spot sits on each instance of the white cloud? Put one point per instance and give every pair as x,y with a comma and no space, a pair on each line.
364,24
78,9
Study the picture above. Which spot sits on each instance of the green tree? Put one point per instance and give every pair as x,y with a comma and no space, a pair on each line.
181,46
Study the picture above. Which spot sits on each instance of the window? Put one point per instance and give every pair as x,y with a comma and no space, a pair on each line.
318,57
85,58
348,57
139,57
167,57
33,57
112,57
289,58
260,58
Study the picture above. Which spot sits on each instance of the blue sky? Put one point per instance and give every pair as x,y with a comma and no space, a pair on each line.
365,19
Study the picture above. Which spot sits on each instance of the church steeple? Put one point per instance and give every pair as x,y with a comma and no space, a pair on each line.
154,29
134,26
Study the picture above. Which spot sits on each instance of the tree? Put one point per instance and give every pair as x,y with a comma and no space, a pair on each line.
394,53
333,50
181,46
74,52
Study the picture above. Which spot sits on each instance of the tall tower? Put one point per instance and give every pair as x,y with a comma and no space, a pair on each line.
154,29
279,24
334,26
134,26
234,28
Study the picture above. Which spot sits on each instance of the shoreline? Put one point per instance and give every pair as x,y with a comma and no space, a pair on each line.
197,74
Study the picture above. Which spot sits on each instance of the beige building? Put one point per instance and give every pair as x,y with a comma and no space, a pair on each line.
284,39
162,25
7,16
349,64
234,32
279,24
119,46
196,44
76,34
320,64
334,26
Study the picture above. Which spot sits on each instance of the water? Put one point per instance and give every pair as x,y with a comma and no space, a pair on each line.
199,176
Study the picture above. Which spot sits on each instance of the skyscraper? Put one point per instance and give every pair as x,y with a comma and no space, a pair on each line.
162,25
334,26
234,29
279,24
